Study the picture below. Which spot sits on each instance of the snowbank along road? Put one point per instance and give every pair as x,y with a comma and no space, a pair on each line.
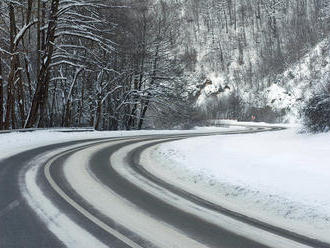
95,193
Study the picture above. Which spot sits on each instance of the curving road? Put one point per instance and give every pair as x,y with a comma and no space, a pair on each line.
95,193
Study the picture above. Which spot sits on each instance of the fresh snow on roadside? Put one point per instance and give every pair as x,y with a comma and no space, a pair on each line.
16,142
279,177
70,233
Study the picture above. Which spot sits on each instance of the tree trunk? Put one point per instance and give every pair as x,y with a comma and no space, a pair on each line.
38,37
52,108
132,117
67,115
143,114
43,103
20,97
81,105
240,50
1,95
40,96
13,67
98,115
146,105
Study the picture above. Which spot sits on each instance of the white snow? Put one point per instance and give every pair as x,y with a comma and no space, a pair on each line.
117,208
70,233
242,124
284,93
120,164
217,128
15,142
23,30
298,83
279,177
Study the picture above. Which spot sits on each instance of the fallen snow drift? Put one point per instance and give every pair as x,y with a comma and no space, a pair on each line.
280,177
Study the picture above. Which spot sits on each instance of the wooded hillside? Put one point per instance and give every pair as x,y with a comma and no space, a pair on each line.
125,64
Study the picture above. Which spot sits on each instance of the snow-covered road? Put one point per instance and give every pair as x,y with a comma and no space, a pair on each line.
94,193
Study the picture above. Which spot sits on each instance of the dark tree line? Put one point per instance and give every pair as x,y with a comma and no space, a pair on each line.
86,63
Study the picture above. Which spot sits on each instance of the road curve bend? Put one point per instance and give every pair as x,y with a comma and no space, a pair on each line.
96,194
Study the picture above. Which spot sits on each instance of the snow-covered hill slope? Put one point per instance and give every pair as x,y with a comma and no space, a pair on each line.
284,93
289,90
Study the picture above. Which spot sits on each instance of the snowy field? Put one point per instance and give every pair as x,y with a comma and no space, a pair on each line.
279,177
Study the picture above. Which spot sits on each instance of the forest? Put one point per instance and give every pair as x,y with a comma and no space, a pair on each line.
128,64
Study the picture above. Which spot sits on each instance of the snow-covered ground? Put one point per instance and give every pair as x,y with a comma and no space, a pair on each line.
16,142
71,234
279,177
